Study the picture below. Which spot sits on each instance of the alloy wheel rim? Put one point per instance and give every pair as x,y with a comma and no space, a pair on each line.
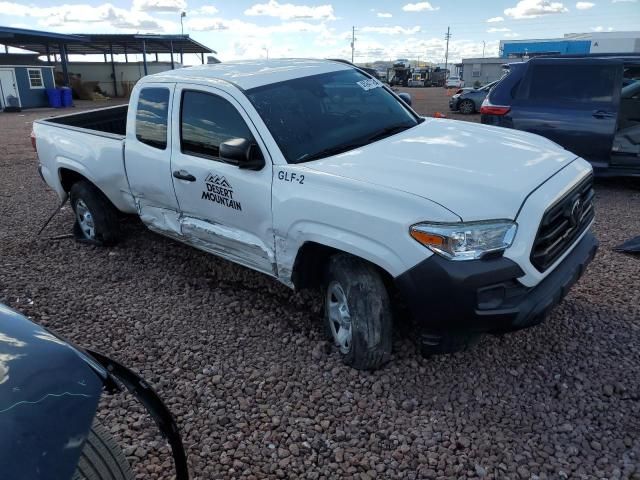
339,317
85,220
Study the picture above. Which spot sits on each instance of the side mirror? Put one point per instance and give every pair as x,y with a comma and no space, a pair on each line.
406,98
242,153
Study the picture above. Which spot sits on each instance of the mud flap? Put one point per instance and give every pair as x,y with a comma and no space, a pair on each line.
630,246
154,405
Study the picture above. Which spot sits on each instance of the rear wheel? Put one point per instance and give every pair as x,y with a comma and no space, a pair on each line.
358,315
96,218
467,107
102,458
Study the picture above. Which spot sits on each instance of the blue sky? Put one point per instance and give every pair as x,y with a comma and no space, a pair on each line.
384,29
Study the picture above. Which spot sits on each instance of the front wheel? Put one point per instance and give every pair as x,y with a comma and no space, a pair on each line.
102,458
467,107
357,312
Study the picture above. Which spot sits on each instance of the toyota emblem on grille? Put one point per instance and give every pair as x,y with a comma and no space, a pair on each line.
576,212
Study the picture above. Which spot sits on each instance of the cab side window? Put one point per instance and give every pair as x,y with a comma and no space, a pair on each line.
206,121
151,117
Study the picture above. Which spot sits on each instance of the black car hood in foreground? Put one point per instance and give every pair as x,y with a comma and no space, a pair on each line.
49,393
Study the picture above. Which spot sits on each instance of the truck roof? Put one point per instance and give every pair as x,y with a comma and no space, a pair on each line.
250,73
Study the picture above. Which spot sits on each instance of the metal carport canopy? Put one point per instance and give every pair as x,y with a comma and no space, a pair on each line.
46,43
124,43
37,41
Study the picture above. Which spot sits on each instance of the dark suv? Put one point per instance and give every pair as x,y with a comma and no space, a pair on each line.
590,105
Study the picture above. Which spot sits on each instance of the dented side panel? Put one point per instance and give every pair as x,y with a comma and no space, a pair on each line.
238,246
159,219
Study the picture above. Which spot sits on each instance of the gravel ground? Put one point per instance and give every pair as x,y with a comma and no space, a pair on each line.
428,101
242,363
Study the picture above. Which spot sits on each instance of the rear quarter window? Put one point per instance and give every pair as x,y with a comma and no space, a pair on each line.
571,83
504,91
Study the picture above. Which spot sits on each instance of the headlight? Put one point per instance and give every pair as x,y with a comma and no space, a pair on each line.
465,241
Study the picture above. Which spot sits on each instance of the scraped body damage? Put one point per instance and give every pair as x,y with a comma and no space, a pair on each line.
240,247
158,219
230,244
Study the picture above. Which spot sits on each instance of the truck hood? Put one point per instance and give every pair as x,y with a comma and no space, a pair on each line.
477,172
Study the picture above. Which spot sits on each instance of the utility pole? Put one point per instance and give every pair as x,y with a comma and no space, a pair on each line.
182,15
353,42
483,45
446,52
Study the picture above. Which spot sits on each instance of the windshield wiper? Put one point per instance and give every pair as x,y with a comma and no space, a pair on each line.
380,134
327,152
388,131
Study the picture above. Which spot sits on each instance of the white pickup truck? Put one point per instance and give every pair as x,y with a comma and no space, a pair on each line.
318,175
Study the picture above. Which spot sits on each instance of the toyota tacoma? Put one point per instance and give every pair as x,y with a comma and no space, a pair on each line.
318,175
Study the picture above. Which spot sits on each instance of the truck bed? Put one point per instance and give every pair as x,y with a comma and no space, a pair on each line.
89,144
111,120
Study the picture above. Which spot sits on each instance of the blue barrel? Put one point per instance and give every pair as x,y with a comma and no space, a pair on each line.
55,98
67,97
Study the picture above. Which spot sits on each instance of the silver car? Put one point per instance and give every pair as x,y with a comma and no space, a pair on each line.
469,100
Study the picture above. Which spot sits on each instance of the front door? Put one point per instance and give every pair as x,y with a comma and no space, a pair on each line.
573,102
8,89
224,209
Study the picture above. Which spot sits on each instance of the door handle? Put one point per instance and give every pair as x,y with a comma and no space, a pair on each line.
184,175
603,114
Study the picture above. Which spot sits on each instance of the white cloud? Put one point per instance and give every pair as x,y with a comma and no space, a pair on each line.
384,15
624,1
497,30
495,19
600,28
585,5
248,29
511,35
396,30
289,11
88,17
207,10
429,49
535,8
159,5
419,7
17,9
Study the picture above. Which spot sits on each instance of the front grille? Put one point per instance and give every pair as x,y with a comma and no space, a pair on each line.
562,223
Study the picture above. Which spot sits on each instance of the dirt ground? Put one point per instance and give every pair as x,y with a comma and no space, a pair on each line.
257,392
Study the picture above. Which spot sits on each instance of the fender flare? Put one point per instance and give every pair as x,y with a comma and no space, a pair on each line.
353,243
143,392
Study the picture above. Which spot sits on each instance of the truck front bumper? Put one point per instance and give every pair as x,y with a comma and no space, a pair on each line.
484,296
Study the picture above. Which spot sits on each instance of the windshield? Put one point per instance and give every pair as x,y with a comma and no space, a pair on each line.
322,115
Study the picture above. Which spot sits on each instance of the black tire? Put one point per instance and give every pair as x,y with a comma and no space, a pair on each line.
104,215
102,458
467,107
442,344
368,307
